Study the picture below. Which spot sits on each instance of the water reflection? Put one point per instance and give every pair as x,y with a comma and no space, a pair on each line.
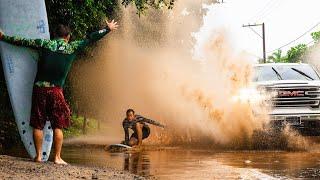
191,164
137,163
278,164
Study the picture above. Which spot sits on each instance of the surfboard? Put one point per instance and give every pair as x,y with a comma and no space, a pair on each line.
24,18
118,148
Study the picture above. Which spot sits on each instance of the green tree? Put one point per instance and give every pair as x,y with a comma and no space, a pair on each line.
277,57
80,15
86,15
142,5
296,53
316,36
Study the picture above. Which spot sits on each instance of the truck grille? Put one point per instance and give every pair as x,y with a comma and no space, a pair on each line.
306,96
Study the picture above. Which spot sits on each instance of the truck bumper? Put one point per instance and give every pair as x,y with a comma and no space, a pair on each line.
307,122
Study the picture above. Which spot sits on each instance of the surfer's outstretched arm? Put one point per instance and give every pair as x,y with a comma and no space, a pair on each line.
95,36
153,122
150,121
19,41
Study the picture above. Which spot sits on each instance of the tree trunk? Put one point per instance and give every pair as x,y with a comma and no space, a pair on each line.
84,127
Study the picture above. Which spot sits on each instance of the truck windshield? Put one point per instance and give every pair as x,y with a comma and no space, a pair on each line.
284,72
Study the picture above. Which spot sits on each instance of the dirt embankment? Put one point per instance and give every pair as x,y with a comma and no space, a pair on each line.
20,168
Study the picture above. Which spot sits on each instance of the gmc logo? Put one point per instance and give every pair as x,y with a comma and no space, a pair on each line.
290,93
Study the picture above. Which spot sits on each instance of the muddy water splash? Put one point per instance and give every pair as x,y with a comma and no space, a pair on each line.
153,65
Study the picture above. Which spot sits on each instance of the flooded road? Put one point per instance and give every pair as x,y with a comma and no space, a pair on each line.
196,164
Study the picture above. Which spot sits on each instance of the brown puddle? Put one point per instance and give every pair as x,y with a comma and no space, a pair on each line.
197,164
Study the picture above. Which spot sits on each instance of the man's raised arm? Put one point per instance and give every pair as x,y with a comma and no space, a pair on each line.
95,36
19,41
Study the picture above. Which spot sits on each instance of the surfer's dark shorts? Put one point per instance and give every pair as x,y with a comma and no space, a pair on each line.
48,104
145,133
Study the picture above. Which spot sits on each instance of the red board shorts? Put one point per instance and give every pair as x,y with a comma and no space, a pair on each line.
48,104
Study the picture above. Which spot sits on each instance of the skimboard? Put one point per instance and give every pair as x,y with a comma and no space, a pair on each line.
24,18
118,148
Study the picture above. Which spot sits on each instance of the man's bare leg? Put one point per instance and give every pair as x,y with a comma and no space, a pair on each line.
37,138
58,140
133,141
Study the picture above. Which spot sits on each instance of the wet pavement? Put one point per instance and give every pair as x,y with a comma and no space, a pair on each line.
180,163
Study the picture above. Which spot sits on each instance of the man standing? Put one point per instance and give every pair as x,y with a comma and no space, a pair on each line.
48,103
139,126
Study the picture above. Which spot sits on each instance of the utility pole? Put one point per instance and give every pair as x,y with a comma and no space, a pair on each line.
263,38
264,43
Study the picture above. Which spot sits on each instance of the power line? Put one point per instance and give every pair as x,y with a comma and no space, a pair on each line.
268,11
254,31
267,6
261,10
287,44
266,16
311,42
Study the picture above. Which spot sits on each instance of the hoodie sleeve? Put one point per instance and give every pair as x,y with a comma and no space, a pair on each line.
149,121
93,37
31,43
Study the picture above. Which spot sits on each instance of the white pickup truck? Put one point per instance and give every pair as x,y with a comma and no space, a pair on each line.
297,94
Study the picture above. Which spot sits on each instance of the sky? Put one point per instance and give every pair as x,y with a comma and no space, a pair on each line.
285,20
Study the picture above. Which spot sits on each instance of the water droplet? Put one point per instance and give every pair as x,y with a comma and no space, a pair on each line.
247,161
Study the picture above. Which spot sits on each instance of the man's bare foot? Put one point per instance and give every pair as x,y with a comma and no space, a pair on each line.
60,161
37,159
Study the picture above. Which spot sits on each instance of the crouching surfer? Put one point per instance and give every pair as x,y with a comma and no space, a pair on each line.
48,102
140,128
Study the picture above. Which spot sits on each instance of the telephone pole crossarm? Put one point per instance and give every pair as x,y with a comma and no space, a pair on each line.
263,38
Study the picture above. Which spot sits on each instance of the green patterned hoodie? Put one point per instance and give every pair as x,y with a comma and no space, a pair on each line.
56,56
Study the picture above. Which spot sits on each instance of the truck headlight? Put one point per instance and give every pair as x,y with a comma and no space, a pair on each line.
248,95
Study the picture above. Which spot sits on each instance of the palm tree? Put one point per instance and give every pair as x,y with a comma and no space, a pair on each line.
276,57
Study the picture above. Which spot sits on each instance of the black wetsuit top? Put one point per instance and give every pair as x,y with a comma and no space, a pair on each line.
126,124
